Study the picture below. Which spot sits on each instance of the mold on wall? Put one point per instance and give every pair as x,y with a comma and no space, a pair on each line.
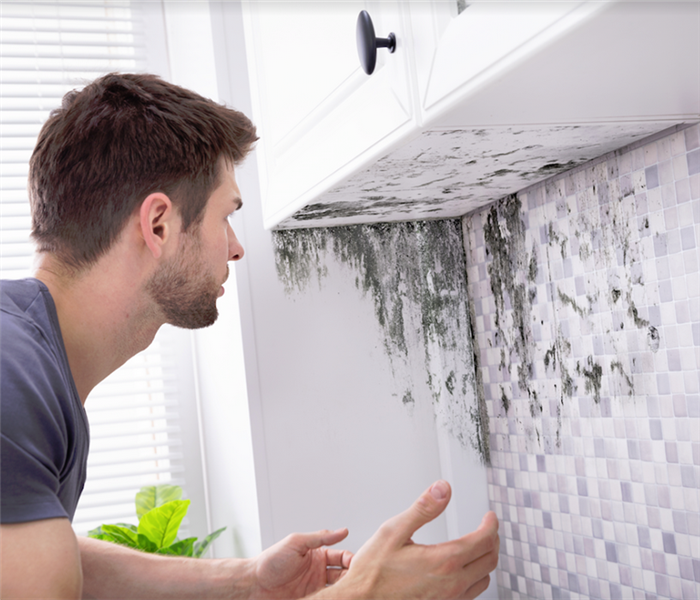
415,275
586,295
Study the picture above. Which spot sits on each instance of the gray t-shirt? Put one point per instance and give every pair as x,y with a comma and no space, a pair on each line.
45,434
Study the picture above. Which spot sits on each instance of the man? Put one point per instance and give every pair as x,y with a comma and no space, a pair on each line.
131,185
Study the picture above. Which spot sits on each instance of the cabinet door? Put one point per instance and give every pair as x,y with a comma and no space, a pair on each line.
461,47
320,117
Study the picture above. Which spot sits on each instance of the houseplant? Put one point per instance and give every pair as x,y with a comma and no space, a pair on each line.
160,510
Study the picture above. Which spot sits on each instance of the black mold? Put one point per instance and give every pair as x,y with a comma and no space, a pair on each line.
555,237
479,417
551,356
510,267
450,383
632,312
411,269
572,303
654,338
616,365
568,387
593,377
505,402
532,269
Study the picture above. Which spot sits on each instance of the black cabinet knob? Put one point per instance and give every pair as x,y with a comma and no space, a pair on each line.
367,42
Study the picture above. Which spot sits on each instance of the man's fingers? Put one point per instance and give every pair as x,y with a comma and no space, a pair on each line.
338,558
478,588
328,538
338,562
429,505
484,554
484,540
311,541
334,575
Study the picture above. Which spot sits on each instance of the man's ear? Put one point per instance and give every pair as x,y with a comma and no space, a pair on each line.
156,220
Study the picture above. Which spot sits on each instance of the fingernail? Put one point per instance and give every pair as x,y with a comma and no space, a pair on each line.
439,490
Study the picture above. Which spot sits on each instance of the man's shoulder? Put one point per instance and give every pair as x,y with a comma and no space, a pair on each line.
18,296
24,312
36,390
29,351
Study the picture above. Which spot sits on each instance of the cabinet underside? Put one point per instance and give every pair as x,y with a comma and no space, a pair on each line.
446,173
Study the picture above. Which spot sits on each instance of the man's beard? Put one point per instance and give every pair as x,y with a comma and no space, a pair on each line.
184,291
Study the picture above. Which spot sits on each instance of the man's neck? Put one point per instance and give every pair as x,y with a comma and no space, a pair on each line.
105,318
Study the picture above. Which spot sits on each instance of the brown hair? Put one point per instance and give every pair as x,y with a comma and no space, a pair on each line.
118,140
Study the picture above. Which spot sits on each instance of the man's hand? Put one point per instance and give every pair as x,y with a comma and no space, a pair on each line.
390,565
301,564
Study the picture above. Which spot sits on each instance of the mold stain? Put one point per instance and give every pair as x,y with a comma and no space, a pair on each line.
560,240
634,314
505,402
568,300
616,365
551,357
592,373
606,252
532,268
414,272
510,271
653,338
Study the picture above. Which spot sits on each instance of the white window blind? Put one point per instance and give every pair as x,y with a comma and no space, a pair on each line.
143,416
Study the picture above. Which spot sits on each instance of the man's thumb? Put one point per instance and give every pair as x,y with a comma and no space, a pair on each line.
429,505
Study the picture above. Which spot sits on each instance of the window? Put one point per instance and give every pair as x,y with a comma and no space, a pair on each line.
142,417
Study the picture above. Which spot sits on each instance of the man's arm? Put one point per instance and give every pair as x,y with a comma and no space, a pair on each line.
292,568
40,559
113,571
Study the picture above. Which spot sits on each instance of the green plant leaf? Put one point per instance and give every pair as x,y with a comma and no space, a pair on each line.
201,547
96,533
152,496
146,544
180,548
160,524
120,535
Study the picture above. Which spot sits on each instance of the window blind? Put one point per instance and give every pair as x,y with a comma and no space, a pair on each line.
139,429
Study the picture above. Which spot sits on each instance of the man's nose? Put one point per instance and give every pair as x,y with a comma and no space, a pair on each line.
235,250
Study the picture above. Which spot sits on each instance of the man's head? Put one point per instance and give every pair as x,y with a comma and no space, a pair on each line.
112,144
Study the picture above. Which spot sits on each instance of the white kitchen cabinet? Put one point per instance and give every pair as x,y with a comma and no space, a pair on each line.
319,116
571,80
458,52
574,62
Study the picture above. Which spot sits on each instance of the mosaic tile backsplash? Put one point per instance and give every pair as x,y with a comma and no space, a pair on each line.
586,304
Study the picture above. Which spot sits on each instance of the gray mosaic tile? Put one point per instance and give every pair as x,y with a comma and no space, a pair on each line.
597,441
652,177
693,162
